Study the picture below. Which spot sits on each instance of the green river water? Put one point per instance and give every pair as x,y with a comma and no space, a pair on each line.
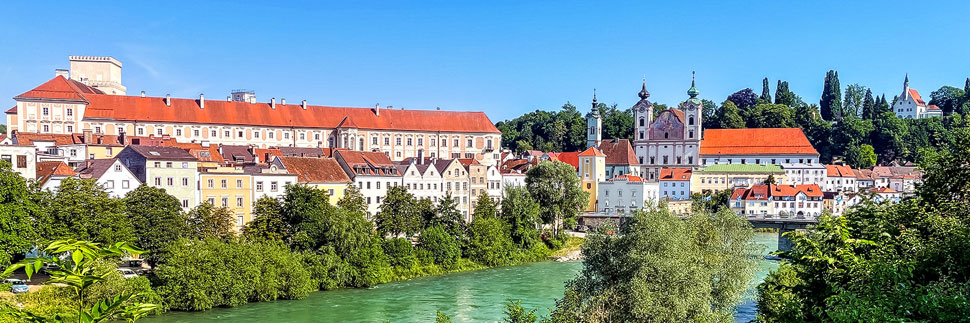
467,297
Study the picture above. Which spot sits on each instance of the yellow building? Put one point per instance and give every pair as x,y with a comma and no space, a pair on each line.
729,176
321,173
592,170
230,188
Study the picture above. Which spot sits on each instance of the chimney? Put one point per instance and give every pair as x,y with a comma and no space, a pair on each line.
283,101
62,72
303,104
377,110
88,136
252,100
143,94
201,101
220,149
437,108
272,103
121,137
168,100
228,98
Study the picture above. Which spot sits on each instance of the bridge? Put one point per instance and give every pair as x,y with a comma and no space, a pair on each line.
781,223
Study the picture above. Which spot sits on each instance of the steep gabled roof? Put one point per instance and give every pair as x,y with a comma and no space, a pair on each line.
756,141
315,170
618,152
237,153
754,193
48,169
162,153
916,97
675,174
839,171
811,190
95,168
592,151
60,88
368,163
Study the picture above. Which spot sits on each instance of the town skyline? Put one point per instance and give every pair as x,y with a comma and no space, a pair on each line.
503,59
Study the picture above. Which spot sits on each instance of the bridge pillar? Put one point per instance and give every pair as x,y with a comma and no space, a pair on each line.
783,243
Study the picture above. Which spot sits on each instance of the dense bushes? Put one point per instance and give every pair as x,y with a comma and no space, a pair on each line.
400,253
436,246
202,274
489,242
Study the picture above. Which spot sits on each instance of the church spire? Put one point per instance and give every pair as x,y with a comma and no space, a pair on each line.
692,92
643,90
594,110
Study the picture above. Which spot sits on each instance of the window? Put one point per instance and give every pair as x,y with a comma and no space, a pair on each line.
185,181
225,201
239,134
271,134
470,143
373,140
433,142
158,131
387,141
69,112
211,201
214,133
107,151
256,134
185,203
397,141
273,186
47,128
70,129
420,141
178,132
302,136
211,183
259,186
73,152
239,201
125,184
641,124
168,164
456,142
195,132
46,111
239,183
109,184
239,220
170,181
158,181
185,164
226,134
409,142
225,183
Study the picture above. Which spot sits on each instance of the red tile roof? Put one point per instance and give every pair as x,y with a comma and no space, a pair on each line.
60,88
916,97
933,107
883,190
48,169
754,193
315,170
203,154
839,171
592,151
368,163
12,110
629,178
788,190
618,152
28,138
675,174
756,141
571,158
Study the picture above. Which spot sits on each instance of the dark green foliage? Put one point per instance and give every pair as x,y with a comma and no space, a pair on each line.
17,207
765,92
400,253
81,209
436,246
268,223
743,99
521,212
617,124
556,187
442,318
729,117
326,268
660,268
398,213
489,242
854,98
449,218
770,116
868,106
709,202
564,130
903,262
353,201
484,207
831,102
947,98
156,218
516,313
784,96
709,113
206,221
197,275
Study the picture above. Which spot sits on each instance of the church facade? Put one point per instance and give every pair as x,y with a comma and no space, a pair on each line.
671,139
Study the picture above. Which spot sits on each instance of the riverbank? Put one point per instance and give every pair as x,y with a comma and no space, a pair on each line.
570,251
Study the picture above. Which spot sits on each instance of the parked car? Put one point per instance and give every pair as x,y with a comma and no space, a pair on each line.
48,267
17,285
127,273
132,263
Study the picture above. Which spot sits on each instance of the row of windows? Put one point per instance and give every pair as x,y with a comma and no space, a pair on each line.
170,165
240,201
170,181
46,112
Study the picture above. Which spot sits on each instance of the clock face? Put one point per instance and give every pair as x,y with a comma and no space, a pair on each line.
691,107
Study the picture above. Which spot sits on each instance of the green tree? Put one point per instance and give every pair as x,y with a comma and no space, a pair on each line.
400,253
156,218
765,92
17,210
81,209
785,96
729,117
709,113
78,273
947,98
831,102
489,242
206,221
660,268
442,318
854,97
521,212
770,116
268,223
742,99
556,187
861,156
516,313
868,106
398,214
353,201
436,246
449,217
888,136
484,206
883,106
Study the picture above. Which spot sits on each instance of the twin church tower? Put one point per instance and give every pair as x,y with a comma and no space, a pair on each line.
671,139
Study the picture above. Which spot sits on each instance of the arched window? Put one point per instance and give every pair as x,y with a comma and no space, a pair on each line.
666,135
690,121
641,122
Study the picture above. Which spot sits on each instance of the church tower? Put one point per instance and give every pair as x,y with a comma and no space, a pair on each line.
693,112
642,117
594,125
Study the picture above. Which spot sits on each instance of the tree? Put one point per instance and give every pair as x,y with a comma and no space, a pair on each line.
854,97
353,201
521,212
268,223
729,116
398,214
17,210
436,246
206,221
883,106
947,98
888,136
449,217
617,124
556,187
765,93
785,96
709,112
516,313
768,115
831,102
81,209
660,268
484,207
868,106
743,99
861,156
488,241
156,218
80,275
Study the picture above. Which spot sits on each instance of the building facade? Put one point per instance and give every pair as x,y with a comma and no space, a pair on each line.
910,105
672,139
169,168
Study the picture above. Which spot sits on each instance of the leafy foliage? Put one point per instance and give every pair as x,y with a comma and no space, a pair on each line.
82,209
436,246
556,187
206,221
156,218
17,210
398,213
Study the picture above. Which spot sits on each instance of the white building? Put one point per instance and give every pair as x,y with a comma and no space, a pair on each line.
111,174
22,159
372,172
840,178
802,201
625,194
674,183
270,181
766,146
421,178
910,105
804,174
670,140
513,179
51,173
495,183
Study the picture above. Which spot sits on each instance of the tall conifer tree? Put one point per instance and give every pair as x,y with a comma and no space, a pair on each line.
765,93
831,102
868,106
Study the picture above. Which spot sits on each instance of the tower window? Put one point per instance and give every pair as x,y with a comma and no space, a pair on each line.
690,121
641,122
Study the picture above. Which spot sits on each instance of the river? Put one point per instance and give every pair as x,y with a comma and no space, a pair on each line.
466,297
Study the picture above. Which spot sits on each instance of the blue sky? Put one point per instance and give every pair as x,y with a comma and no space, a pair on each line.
501,57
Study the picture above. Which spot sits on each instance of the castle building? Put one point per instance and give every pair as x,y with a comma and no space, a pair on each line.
910,104
91,97
672,139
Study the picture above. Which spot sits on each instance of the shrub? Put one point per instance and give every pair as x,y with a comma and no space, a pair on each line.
400,253
326,268
489,242
436,246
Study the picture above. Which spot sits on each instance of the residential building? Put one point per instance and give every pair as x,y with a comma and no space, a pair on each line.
730,176
840,178
837,203
886,195
329,175
910,105
228,187
421,178
372,172
679,207
620,158
672,139
111,174
65,105
592,171
624,194
22,159
513,178
271,181
454,176
476,181
804,174
801,201
866,178
51,173
494,187
766,146
754,201
675,183
169,168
